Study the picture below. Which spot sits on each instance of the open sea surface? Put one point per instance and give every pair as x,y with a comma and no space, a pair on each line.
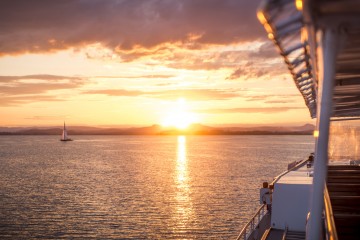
137,187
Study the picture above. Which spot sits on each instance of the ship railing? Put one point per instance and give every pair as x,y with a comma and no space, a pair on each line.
253,223
330,228
285,233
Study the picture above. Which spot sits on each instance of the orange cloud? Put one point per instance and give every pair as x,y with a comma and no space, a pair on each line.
267,110
17,90
190,94
46,77
137,77
116,92
273,98
6,101
19,85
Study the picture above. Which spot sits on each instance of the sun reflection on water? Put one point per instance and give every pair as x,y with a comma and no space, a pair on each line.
184,210
181,161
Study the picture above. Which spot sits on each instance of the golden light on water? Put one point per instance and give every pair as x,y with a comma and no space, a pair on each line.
181,160
184,210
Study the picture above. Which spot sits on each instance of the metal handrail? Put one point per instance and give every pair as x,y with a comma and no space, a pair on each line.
253,223
285,233
329,217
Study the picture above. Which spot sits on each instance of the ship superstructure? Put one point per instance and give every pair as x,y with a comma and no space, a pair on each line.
317,199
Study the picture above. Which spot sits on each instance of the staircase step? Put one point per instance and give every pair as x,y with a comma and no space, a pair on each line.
343,179
345,209
343,187
343,167
338,193
294,235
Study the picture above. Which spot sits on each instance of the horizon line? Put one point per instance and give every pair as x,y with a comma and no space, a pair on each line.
218,125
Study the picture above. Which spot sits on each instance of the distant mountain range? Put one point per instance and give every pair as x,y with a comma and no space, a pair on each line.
194,129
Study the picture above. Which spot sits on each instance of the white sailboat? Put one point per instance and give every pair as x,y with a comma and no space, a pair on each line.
64,136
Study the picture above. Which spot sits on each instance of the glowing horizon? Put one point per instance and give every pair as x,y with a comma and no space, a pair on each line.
179,116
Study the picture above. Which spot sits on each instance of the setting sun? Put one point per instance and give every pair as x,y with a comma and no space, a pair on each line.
179,117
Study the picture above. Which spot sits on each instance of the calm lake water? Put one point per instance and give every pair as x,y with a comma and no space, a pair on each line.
137,187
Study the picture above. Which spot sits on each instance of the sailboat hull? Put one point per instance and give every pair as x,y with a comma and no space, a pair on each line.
65,140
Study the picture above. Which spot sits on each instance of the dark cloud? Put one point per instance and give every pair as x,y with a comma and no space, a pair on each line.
251,62
267,110
204,59
259,67
124,25
249,70
266,50
189,94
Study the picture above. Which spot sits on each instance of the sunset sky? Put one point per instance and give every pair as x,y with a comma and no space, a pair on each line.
133,62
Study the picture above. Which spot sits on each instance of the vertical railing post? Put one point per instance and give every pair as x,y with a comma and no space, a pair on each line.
328,52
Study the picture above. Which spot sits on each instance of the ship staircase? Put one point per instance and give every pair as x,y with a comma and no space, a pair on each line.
293,235
343,186
278,234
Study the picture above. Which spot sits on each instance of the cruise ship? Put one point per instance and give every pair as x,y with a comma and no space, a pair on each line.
318,197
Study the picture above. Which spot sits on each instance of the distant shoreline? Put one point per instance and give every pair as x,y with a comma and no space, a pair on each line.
157,130
159,134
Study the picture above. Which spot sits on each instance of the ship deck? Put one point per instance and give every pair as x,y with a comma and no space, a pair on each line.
343,185
290,198
301,175
290,202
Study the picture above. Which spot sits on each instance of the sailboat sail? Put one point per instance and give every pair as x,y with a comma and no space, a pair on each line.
64,136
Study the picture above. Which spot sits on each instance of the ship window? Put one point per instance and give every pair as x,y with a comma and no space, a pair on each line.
344,141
